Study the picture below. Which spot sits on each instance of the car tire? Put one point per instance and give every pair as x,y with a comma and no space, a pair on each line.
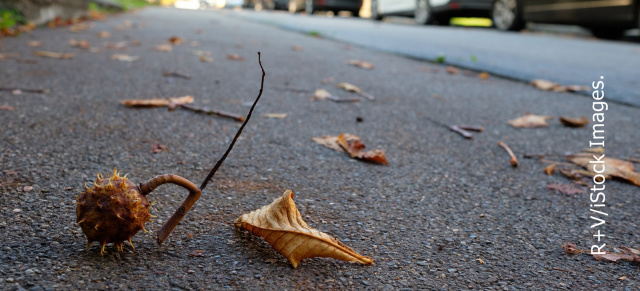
422,14
507,15
374,11
611,33
308,7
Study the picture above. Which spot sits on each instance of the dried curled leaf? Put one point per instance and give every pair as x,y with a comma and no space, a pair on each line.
54,55
623,253
354,89
163,48
530,120
545,85
574,122
352,145
157,102
571,248
328,141
361,64
281,225
322,94
550,169
612,167
125,58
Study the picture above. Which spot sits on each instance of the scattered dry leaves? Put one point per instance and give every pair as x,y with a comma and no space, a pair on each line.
83,44
281,225
545,85
361,64
275,115
54,55
157,102
550,169
574,122
34,43
125,58
612,167
163,48
235,57
8,108
451,70
530,120
104,34
175,40
566,189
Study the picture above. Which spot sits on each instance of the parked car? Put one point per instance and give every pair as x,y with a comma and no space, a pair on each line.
605,18
311,6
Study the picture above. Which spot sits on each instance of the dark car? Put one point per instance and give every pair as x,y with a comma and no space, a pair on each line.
311,6
605,18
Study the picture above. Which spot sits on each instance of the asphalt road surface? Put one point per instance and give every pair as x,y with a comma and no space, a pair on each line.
567,60
448,213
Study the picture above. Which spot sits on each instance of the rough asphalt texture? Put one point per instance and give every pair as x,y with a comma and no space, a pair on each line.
520,56
425,219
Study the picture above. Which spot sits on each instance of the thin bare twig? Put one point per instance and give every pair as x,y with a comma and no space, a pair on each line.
476,128
208,111
176,74
461,131
233,142
41,91
514,160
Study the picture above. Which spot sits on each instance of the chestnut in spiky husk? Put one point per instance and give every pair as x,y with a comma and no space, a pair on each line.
112,211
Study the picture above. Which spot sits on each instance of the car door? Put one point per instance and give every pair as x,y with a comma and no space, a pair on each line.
580,12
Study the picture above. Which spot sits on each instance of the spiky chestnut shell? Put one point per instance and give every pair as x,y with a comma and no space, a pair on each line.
112,211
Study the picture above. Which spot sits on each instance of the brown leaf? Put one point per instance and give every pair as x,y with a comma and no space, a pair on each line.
451,70
329,141
8,108
545,85
197,253
117,45
104,34
574,122
174,40
157,102
206,59
550,169
281,225
83,44
571,248
235,57
322,94
275,115
483,75
297,48
354,89
158,148
530,120
34,43
624,254
594,150
124,58
54,55
351,143
361,64
566,189
612,167
163,48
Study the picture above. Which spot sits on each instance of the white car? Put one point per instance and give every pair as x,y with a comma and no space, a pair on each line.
431,11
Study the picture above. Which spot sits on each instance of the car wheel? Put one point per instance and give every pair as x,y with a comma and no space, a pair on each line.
374,10
423,14
506,15
308,7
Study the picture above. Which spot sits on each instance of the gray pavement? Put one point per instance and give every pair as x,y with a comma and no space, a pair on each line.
442,207
520,56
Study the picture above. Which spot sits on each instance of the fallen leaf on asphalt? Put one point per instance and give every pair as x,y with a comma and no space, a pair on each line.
157,102
530,120
158,148
8,108
566,189
163,48
174,40
206,59
329,141
550,169
135,43
622,278
481,261
117,45
4,56
83,44
275,115
594,150
571,248
34,43
297,48
351,143
623,254
82,26
322,94
235,57
104,34
612,167
54,55
281,225
545,85
361,64
197,253
483,75
574,122
354,89
451,70
125,58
